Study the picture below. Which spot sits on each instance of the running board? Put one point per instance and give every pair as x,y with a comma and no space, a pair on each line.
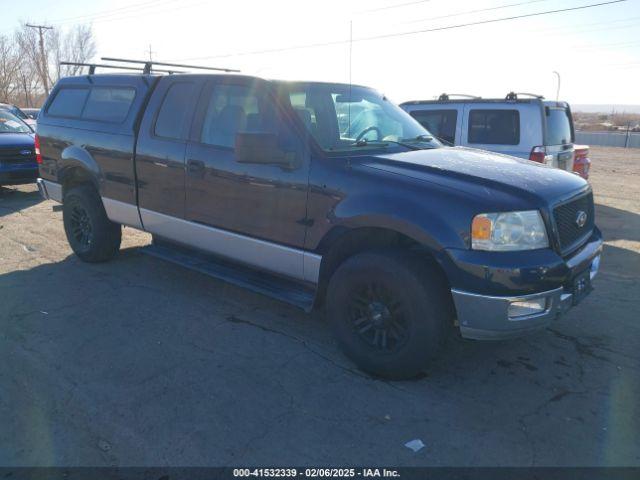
258,281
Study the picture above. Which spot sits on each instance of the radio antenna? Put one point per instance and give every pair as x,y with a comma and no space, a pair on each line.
350,73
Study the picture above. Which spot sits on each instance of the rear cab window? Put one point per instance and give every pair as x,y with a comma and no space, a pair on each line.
558,126
494,127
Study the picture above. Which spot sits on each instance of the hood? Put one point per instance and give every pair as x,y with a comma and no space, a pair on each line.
458,167
17,140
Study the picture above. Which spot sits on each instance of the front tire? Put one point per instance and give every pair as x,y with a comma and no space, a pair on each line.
91,235
390,312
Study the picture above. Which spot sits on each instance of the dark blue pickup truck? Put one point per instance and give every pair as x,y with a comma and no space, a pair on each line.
322,195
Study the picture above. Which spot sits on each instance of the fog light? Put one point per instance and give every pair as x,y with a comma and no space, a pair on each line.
527,307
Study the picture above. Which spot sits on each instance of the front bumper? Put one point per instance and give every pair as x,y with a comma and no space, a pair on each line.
483,316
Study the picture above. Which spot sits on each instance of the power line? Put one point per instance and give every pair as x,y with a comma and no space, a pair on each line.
109,12
494,20
144,10
583,25
479,10
403,34
389,7
605,45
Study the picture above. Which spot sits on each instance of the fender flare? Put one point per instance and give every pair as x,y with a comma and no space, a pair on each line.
74,158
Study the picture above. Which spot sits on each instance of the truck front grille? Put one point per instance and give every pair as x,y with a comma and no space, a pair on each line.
570,233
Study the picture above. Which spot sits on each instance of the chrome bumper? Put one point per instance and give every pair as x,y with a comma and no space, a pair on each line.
485,317
50,190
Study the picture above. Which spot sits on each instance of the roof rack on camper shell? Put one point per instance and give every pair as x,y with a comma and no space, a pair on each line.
93,66
147,66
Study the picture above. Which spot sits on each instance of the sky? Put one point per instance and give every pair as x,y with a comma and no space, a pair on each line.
596,50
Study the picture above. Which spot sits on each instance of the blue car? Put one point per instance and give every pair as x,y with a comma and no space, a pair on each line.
17,151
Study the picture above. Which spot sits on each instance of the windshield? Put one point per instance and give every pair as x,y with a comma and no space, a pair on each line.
14,110
343,118
11,124
558,127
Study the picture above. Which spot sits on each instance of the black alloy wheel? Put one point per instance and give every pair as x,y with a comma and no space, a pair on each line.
81,227
378,318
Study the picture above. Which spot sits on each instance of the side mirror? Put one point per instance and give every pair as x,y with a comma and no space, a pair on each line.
263,148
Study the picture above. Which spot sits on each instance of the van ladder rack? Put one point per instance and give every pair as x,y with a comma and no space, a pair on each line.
149,65
93,66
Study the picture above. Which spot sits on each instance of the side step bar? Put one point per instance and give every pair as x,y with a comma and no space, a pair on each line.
258,281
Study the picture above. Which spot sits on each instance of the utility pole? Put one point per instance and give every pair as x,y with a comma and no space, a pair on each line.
45,68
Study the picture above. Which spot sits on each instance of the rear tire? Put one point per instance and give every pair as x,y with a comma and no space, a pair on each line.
390,311
91,235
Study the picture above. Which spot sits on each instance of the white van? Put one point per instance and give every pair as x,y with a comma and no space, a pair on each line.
531,127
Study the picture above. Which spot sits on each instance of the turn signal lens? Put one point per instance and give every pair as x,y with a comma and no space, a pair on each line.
481,228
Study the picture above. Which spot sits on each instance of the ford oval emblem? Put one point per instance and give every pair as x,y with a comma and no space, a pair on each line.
581,219
25,152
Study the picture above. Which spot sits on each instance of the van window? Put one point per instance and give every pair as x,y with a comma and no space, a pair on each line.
441,123
68,102
109,104
494,127
174,111
558,126
233,109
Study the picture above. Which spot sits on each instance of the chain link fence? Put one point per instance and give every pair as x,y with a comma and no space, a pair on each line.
609,139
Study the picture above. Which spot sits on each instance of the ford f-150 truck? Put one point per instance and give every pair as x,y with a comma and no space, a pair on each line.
321,195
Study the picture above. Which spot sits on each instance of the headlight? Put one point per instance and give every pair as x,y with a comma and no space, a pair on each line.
508,231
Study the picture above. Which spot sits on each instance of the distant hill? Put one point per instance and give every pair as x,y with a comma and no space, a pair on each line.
604,108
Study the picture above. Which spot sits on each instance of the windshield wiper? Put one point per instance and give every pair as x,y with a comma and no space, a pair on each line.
382,143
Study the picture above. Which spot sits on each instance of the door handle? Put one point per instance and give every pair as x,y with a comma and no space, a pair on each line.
195,167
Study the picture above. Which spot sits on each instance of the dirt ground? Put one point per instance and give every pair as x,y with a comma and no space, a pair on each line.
140,362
